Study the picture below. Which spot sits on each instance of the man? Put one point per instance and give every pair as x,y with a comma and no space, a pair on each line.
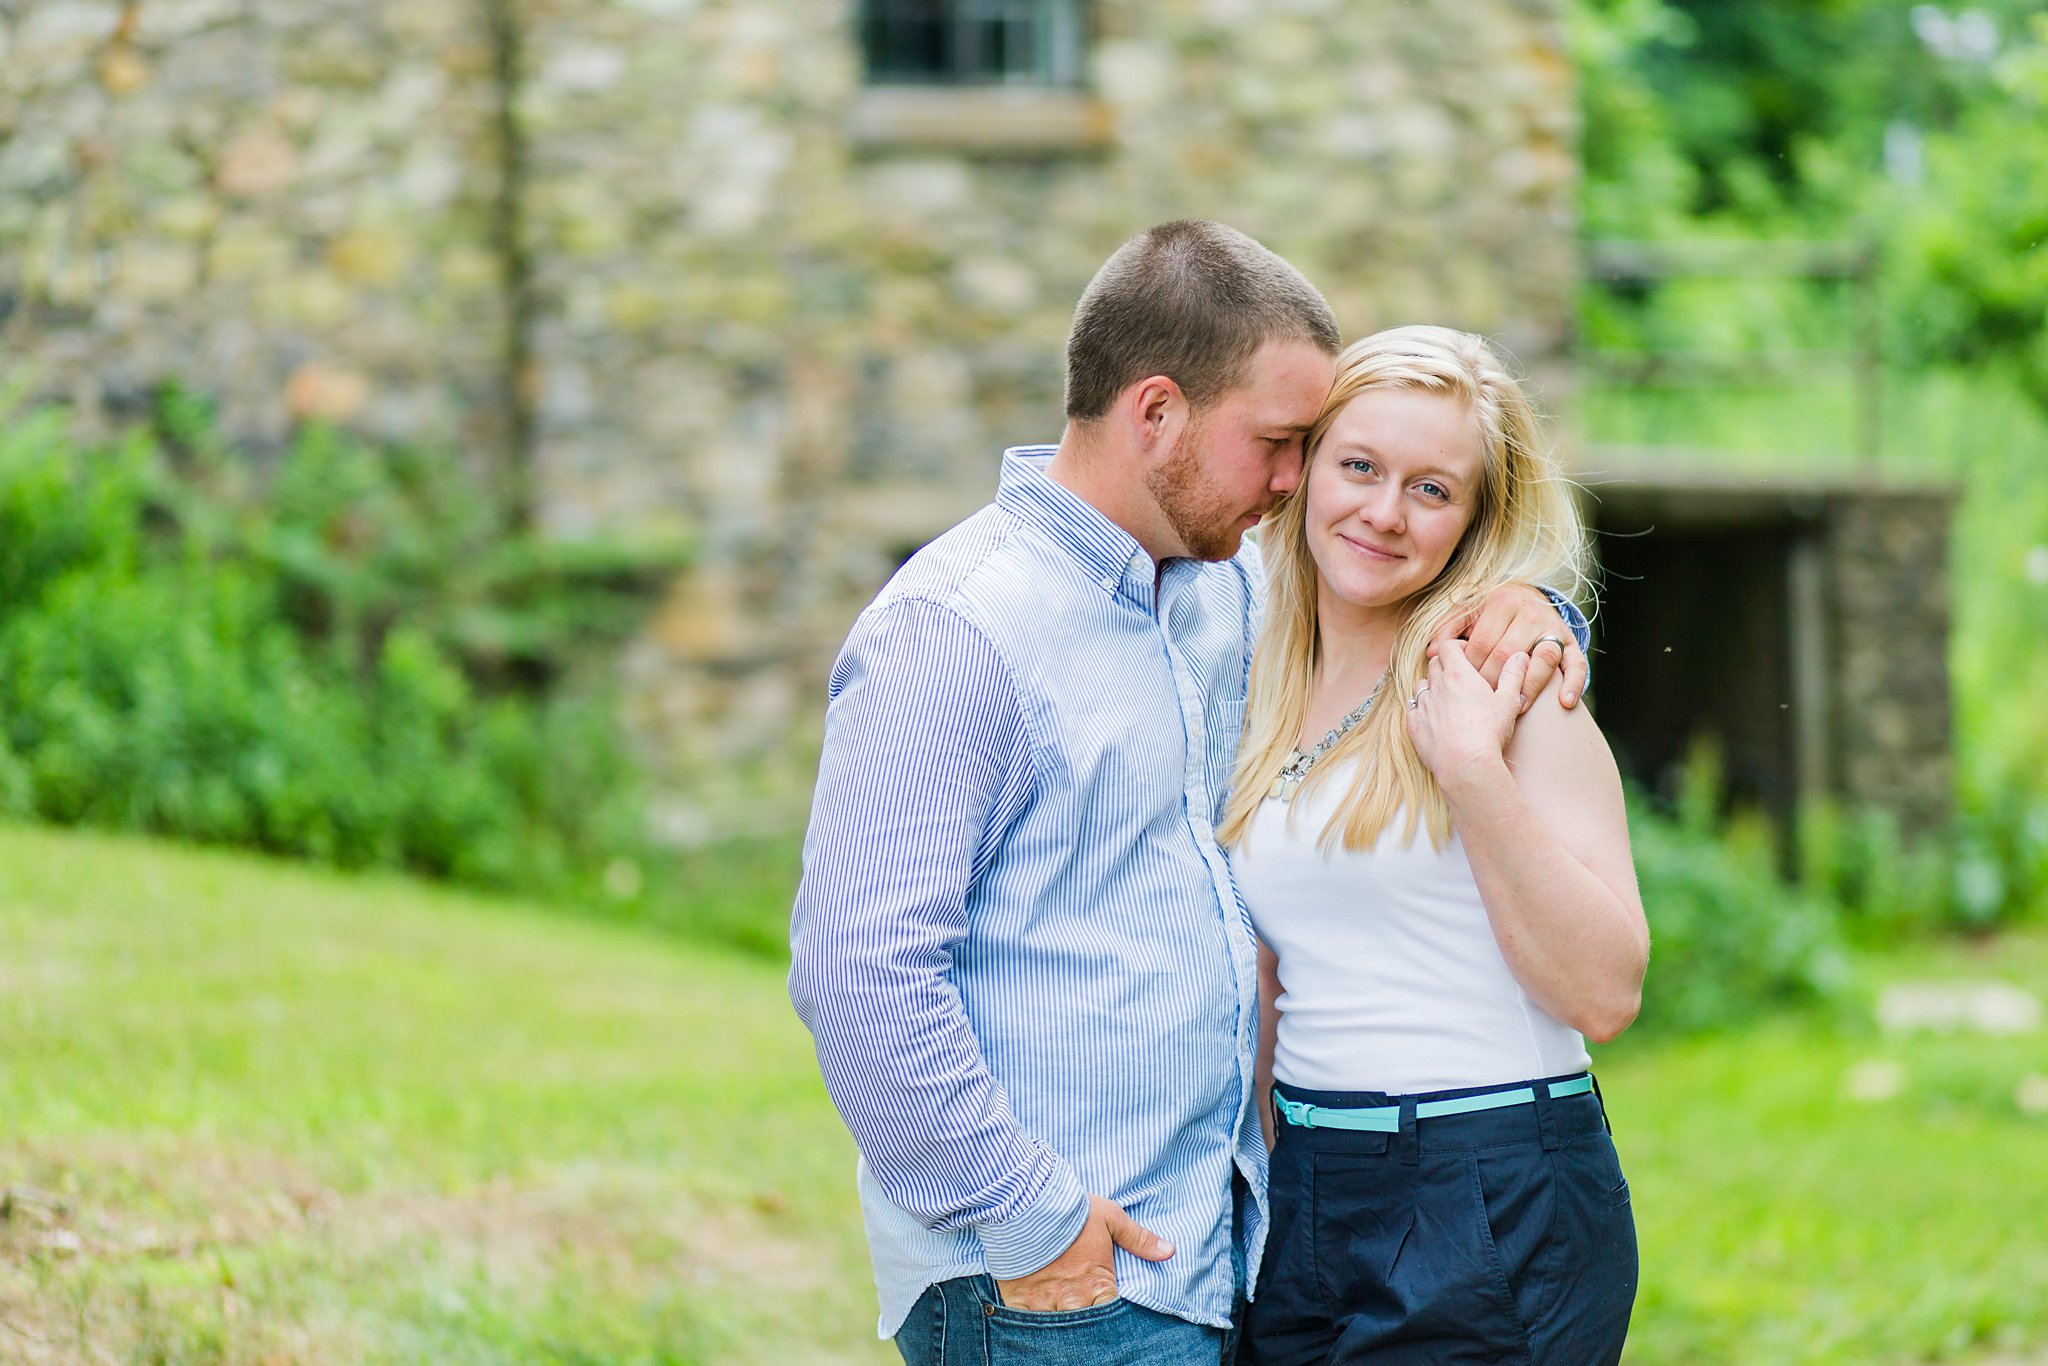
1030,979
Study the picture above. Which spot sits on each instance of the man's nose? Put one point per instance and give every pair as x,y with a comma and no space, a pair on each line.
1286,474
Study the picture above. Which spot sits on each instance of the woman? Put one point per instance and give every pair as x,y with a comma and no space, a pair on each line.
1445,898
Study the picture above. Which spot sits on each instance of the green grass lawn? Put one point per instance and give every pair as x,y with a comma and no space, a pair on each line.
1784,1219
293,1117
251,1113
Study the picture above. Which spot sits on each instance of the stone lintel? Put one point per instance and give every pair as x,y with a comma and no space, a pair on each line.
1699,496
980,119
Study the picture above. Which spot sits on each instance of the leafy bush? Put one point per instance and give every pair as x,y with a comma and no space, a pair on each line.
1728,937
1887,885
348,664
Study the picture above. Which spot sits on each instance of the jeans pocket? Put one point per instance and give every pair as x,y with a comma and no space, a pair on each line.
1067,1337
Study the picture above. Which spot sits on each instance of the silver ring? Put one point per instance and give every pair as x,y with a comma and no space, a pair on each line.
1416,700
1553,640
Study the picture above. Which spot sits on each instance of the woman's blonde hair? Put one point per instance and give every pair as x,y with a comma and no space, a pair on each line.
1525,528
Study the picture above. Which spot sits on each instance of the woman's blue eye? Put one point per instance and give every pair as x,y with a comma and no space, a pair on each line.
1436,491
1361,466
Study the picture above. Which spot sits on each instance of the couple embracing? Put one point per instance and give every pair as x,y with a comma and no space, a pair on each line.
1201,938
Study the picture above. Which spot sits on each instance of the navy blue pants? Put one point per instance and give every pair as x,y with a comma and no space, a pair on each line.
1499,1236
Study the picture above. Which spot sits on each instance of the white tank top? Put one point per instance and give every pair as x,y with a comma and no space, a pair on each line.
1391,978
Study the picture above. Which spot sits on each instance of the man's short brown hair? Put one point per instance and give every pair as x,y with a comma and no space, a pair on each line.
1191,300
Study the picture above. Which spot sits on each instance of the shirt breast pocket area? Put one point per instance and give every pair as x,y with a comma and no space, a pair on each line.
1226,730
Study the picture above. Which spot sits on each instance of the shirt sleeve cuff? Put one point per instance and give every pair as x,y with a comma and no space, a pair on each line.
1573,617
1034,1237
1582,630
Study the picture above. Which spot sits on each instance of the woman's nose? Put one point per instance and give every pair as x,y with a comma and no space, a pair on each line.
1382,509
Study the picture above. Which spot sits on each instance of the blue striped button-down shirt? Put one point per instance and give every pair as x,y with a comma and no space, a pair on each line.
1017,943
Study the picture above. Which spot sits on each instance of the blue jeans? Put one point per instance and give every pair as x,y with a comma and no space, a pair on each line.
1502,1236
964,1323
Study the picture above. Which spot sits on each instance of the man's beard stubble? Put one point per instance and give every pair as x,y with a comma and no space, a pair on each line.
1198,514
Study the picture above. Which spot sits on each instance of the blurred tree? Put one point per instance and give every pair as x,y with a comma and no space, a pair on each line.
1769,116
1976,240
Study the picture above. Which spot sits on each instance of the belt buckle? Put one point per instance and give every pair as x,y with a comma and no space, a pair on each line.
1299,1113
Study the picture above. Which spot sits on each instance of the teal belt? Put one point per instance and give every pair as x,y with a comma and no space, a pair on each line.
1386,1119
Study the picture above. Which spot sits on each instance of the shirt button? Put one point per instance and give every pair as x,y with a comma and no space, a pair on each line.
1109,583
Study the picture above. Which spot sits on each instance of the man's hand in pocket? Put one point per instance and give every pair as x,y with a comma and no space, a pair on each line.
1085,1274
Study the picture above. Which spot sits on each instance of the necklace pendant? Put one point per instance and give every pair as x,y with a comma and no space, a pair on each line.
1284,788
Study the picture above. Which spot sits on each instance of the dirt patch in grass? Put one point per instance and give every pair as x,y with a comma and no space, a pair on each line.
177,1250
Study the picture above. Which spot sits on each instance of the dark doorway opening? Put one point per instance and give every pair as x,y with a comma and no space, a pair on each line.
1693,640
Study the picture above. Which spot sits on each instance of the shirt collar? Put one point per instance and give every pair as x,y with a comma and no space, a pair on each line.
1110,555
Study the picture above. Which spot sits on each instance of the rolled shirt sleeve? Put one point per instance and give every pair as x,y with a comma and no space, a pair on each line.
1582,631
926,760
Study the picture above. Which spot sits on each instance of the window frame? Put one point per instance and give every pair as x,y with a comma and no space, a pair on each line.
966,29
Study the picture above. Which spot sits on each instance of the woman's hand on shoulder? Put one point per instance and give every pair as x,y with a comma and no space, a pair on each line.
1461,724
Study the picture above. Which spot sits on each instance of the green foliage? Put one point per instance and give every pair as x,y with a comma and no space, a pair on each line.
1759,121
1755,118
348,665
1752,120
1973,268
1729,940
737,892
1888,886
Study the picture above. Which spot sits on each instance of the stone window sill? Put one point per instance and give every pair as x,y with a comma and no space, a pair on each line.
979,119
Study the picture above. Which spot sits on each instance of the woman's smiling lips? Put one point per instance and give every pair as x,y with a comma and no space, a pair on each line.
1371,552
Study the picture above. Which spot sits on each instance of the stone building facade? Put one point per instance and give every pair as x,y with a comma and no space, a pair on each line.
1798,622
701,263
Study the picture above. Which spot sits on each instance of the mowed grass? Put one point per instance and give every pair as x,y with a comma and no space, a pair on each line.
1812,1191
250,1113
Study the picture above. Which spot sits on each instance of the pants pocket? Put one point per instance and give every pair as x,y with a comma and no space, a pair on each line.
1053,1318
1115,1334
1359,1218
1503,1219
1588,1288
1406,1261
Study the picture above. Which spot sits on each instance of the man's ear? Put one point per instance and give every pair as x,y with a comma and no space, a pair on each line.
1155,409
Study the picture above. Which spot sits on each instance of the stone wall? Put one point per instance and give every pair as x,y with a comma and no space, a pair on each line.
1887,558
286,206
695,279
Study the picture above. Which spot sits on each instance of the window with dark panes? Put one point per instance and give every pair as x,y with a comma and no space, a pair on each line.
972,42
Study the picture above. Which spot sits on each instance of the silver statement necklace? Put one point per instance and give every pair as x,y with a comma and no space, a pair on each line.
1298,764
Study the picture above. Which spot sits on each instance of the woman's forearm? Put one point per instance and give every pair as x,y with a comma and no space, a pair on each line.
1574,942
